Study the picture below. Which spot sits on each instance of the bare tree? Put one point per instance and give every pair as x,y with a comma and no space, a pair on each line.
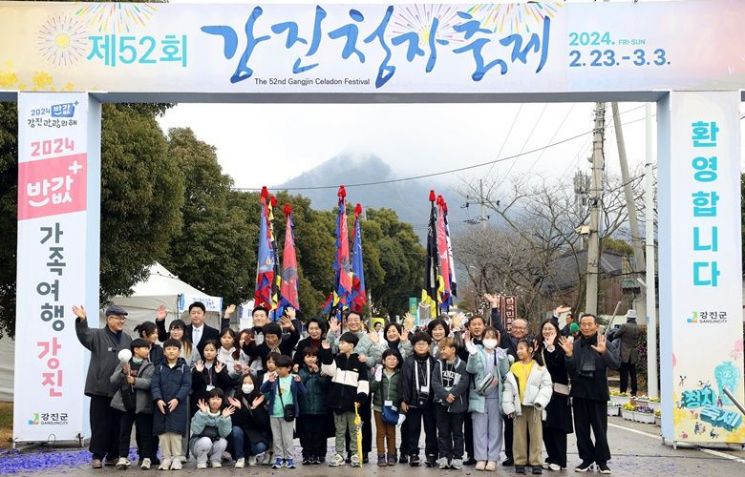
539,224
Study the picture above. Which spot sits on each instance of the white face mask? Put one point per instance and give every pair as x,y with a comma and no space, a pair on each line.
490,343
247,388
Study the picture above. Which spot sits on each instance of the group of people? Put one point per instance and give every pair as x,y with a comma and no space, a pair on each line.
224,395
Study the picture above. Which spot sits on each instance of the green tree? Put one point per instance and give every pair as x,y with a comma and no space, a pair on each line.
141,196
214,248
8,214
400,256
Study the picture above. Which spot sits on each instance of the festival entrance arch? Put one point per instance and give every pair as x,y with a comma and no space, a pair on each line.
60,61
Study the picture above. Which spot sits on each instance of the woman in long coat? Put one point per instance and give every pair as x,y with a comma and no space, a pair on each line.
558,422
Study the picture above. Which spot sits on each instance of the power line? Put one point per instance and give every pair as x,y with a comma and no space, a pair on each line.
441,173
507,136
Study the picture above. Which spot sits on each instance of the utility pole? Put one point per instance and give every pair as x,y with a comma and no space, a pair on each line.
652,390
596,201
636,240
483,218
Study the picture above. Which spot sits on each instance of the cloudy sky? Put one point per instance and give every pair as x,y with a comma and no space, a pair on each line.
266,144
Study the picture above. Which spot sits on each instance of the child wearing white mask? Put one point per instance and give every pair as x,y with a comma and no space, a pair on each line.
489,366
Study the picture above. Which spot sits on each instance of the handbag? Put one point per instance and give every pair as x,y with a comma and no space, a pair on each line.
288,410
559,388
488,382
211,432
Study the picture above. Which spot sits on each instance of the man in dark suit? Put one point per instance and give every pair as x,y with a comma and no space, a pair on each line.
628,333
198,332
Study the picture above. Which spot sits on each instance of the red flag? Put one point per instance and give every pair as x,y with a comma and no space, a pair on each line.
289,287
443,257
342,266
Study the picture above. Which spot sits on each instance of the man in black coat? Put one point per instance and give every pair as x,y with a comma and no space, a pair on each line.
587,361
198,333
104,345
628,333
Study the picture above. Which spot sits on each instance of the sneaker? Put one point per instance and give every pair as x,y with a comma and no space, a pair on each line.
537,470
277,463
252,460
201,465
240,463
227,456
480,465
216,464
109,462
290,463
307,460
355,461
520,469
365,459
554,467
604,469
585,466
96,463
491,465
123,463
442,463
145,464
470,461
403,459
430,461
391,460
176,464
382,461
165,464
508,462
456,464
414,461
336,461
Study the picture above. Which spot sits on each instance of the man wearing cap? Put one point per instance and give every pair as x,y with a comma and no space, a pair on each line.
104,345
629,336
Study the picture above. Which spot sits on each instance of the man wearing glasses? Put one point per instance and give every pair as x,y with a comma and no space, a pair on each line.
104,345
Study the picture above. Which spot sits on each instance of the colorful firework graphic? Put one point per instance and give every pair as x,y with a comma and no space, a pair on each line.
62,41
513,17
116,17
418,19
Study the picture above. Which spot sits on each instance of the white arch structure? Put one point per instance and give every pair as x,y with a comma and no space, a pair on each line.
60,61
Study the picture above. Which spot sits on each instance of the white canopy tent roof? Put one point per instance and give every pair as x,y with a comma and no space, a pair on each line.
164,288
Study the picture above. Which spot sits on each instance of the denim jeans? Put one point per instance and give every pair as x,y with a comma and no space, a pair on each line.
239,444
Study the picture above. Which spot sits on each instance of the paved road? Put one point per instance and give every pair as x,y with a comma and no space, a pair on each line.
636,449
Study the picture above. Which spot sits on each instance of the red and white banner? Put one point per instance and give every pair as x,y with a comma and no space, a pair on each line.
58,228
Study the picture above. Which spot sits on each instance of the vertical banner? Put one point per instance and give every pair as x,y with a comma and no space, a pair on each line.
508,311
58,259
701,325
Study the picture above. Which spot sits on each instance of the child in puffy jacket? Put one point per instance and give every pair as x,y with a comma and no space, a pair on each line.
527,391
210,428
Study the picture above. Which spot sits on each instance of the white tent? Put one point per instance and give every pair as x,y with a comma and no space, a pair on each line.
164,288
161,288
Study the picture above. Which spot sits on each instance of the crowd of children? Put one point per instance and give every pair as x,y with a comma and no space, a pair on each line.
244,396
